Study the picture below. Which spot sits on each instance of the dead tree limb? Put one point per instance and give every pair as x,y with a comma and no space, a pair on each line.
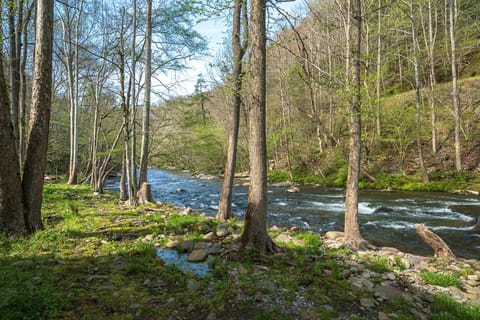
440,248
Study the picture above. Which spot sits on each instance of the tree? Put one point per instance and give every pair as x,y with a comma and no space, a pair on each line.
416,66
146,106
255,232
352,226
239,48
20,201
452,13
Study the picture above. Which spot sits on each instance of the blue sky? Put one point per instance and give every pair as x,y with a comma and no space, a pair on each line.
214,32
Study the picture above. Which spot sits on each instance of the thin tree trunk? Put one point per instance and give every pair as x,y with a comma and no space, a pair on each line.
23,85
417,93
146,107
225,203
452,6
379,69
36,154
14,63
133,187
352,226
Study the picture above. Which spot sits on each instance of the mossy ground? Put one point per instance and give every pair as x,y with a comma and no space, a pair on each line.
96,259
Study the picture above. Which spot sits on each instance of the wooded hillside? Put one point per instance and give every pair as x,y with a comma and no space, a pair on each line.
309,90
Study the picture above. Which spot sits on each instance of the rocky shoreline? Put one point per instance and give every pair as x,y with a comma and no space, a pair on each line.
403,280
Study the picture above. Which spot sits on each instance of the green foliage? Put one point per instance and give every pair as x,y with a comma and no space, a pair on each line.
177,221
446,308
443,279
278,176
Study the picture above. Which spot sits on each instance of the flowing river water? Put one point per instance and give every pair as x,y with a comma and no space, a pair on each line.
386,218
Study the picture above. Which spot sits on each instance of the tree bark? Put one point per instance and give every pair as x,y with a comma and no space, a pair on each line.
352,226
148,86
255,232
440,248
12,218
418,114
225,203
452,8
36,154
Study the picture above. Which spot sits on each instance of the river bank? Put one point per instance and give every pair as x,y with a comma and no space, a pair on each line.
98,259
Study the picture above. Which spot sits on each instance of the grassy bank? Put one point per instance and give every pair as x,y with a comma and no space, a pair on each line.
96,259
441,181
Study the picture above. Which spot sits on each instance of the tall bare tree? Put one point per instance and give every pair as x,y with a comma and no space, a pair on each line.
255,232
416,67
352,225
147,93
452,13
225,203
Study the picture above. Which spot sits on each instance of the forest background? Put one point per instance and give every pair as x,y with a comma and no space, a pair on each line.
308,93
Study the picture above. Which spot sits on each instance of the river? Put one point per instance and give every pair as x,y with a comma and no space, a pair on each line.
386,218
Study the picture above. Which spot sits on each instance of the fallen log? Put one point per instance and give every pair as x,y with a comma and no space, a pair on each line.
440,248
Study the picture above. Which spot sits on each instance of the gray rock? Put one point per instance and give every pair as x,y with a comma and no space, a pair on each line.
332,235
293,189
383,316
387,292
148,237
209,236
222,230
197,255
185,246
285,184
214,248
171,244
367,303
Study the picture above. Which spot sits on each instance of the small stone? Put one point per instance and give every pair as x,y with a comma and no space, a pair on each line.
171,300
473,277
171,244
185,246
203,227
389,276
293,190
387,292
179,190
472,283
332,235
383,316
367,303
282,237
222,230
210,236
197,255
214,248
148,237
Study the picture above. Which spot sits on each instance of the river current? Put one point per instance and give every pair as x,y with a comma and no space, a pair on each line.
386,218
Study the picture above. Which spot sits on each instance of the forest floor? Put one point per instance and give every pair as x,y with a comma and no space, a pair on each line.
98,259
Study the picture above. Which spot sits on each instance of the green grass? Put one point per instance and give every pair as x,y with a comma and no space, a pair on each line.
442,279
445,308
91,262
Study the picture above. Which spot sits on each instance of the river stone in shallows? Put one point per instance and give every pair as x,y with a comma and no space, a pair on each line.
197,255
332,235
185,246
293,189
